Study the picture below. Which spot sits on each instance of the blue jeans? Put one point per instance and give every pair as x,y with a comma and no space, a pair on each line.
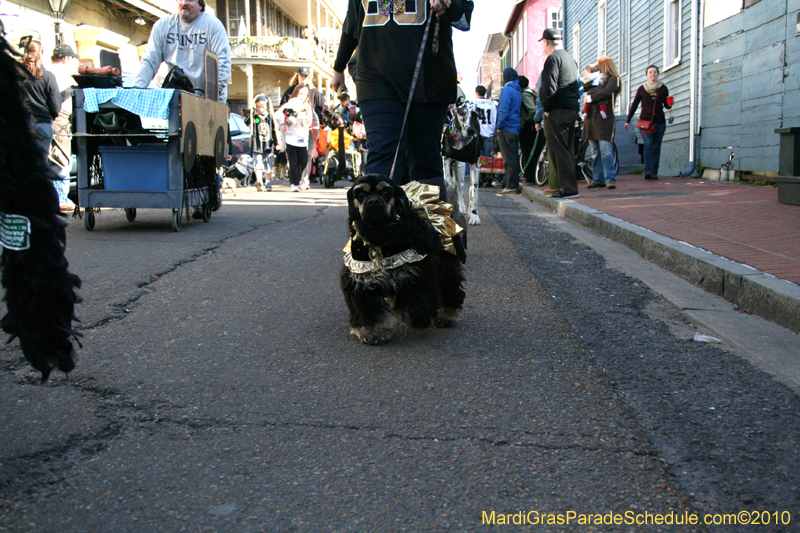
420,147
652,149
486,146
603,162
62,183
43,134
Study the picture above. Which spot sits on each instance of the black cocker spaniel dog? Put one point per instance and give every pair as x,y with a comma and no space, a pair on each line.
39,289
396,270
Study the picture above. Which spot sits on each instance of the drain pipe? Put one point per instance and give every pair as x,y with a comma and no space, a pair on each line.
688,171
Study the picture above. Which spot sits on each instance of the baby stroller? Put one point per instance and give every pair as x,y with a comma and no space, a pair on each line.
341,162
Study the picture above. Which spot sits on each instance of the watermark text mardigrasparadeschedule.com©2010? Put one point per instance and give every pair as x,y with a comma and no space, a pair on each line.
536,518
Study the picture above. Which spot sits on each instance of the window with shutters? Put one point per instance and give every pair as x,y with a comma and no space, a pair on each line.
602,27
672,33
576,43
554,18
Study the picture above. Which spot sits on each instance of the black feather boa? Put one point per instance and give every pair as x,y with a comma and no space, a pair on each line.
39,289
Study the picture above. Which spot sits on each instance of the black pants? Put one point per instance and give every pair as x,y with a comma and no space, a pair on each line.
509,147
298,157
420,147
559,129
526,137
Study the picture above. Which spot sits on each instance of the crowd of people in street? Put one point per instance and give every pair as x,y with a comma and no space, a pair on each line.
402,112
555,108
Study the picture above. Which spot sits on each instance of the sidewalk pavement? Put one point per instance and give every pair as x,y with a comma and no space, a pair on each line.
734,240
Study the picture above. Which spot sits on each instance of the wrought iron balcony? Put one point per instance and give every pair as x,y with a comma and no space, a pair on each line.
289,48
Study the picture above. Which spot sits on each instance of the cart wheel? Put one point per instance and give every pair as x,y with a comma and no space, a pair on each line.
176,219
189,146
220,147
328,180
130,213
88,219
206,212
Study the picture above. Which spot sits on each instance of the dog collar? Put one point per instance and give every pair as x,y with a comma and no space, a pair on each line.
377,262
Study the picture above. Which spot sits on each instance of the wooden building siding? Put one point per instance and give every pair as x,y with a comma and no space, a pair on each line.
646,27
750,85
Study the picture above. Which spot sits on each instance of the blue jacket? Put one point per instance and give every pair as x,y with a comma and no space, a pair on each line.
508,107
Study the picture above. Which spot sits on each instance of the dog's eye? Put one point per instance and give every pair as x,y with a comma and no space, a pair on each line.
387,193
359,194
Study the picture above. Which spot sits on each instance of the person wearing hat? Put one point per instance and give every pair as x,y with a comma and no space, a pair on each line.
262,140
389,42
63,64
559,97
181,40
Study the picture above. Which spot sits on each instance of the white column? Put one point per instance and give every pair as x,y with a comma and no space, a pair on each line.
318,25
248,69
308,10
247,15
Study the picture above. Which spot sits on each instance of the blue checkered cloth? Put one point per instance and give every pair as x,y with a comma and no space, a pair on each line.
147,103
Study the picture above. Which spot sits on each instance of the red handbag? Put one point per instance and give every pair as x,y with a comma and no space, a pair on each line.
647,125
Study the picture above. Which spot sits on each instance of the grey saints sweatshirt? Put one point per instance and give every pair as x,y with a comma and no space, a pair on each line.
184,44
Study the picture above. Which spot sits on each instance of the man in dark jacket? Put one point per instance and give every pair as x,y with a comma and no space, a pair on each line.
508,124
559,97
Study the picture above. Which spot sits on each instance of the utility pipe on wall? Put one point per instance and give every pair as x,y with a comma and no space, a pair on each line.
695,68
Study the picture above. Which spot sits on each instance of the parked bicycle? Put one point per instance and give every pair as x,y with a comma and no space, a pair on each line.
583,159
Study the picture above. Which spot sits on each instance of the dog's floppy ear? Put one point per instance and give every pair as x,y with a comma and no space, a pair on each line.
402,204
352,211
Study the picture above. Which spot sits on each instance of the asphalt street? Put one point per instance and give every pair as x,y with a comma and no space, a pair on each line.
218,389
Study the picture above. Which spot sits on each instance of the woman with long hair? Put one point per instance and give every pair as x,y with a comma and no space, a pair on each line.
654,97
40,93
295,116
598,128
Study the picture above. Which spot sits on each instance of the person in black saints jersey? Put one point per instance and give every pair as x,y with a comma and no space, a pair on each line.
388,34
262,140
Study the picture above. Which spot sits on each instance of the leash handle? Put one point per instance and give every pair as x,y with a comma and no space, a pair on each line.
411,90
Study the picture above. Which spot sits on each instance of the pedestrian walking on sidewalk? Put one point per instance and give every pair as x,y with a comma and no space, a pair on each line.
508,126
654,97
598,128
559,96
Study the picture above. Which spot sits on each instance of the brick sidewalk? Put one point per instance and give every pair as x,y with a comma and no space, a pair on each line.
741,222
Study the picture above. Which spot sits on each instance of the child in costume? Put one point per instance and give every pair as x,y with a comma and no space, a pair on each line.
262,140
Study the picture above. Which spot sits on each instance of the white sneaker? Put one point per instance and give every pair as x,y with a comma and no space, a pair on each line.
305,187
295,188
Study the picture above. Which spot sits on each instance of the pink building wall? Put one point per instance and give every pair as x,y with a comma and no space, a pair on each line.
533,60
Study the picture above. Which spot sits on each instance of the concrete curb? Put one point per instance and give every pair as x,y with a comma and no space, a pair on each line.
763,294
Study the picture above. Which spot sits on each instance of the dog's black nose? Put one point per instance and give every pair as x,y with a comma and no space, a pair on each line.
374,202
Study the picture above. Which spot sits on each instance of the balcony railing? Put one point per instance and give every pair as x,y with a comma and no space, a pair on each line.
289,48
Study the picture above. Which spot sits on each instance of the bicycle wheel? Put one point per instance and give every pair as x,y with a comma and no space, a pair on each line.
584,161
542,175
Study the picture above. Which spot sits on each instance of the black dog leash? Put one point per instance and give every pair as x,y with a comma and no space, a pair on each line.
411,91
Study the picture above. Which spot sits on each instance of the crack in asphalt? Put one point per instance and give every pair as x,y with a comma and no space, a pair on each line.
122,309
